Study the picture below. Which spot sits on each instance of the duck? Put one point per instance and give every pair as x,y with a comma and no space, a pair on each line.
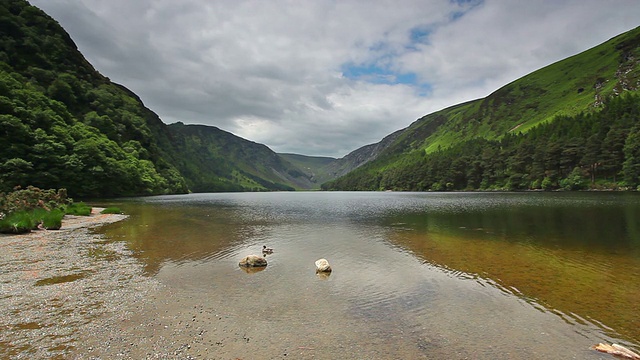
266,250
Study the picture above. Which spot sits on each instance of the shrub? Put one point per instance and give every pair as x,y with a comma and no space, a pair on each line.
53,219
79,208
111,210
536,184
17,223
25,209
37,215
547,183
575,180
32,198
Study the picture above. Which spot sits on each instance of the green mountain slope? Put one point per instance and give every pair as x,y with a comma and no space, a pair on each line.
574,85
314,167
323,169
212,160
570,88
62,124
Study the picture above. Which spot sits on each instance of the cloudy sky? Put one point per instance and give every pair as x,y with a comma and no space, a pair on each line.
325,77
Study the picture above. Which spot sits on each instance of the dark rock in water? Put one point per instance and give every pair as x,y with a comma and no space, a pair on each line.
322,265
253,261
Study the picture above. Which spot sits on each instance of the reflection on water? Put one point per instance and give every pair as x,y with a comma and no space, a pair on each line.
414,274
579,255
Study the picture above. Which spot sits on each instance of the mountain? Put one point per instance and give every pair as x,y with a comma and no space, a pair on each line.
573,124
314,167
359,157
64,125
576,89
322,169
213,159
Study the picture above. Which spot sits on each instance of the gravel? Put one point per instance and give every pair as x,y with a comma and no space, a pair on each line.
60,287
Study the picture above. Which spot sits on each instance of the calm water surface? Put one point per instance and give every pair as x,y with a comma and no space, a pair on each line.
416,275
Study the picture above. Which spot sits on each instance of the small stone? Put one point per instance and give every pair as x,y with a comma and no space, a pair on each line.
322,265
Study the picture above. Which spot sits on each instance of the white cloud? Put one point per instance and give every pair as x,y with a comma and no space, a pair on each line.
270,71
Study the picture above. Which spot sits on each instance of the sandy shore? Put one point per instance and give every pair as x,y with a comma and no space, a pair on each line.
58,287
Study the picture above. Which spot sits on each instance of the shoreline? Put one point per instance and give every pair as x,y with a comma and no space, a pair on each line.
73,294
58,286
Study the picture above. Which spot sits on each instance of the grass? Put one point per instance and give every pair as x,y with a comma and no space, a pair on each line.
21,222
17,223
567,88
79,208
52,220
38,215
111,210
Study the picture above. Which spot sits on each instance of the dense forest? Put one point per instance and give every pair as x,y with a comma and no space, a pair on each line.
64,125
598,150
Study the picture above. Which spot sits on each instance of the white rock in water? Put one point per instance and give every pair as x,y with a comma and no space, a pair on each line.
254,261
322,265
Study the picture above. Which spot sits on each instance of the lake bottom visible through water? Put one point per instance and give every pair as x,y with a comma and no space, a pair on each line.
385,299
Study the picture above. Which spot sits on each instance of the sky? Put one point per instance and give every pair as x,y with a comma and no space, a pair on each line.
325,77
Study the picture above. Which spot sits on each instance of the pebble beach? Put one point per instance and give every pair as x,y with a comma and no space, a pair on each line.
60,286
73,294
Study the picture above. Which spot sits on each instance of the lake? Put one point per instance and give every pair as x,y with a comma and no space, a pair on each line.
416,275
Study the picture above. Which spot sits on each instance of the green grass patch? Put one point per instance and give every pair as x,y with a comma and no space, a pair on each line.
79,208
17,223
53,219
37,216
111,210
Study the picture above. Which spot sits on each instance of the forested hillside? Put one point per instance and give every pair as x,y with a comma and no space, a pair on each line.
571,125
596,150
64,125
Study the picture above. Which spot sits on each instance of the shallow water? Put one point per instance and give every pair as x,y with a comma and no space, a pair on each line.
416,275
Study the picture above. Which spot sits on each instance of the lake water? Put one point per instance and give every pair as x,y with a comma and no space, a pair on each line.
416,275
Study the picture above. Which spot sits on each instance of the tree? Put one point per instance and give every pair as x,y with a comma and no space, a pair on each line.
14,172
612,156
631,165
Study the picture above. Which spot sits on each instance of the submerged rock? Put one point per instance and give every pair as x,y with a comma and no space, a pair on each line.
253,261
252,269
322,265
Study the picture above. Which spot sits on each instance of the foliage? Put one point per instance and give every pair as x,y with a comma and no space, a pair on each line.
33,198
17,223
52,220
25,209
581,83
571,153
37,215
568,125
79,208
64,125
47,219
